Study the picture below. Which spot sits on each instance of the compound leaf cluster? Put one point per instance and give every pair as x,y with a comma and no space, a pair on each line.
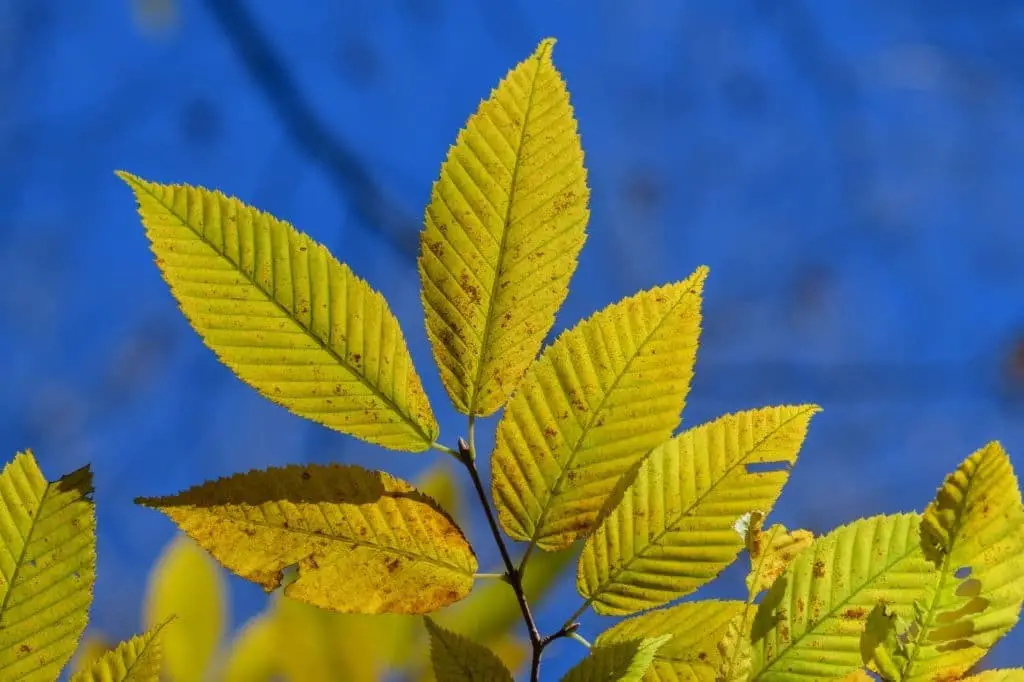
587,452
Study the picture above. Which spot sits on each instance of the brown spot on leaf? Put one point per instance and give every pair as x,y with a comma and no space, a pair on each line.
819,569
855,613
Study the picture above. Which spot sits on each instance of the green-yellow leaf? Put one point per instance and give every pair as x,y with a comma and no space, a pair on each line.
188,586
363,541
625,661
458,659
973,532
596,401
286,316
252,655
47,567
880,640
1009,675
673,527
692,652
771,551
808,625
90,649
134,660
503,230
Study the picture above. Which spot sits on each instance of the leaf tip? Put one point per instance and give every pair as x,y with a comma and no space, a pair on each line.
546,47
700,275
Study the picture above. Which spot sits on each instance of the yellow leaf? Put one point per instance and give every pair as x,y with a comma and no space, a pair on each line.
672,528
458,659
187,585
512,651
858,675
771,551
48,534
503,229
696,629
808,625
363,541
286,316
135,660
253,654
314,645
1009,675
735,650
439,483
973,532
90,649
626,661
593,404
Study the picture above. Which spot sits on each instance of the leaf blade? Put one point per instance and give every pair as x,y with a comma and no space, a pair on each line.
459,659
363,541
47,570
1008,675
975,523
695,629
134,660
595,402
187,587
809,624
673,527
287,317
503,230
626,661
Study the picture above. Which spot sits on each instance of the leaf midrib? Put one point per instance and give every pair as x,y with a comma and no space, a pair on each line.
355,543
496,283
670,527
24,549
943,576
563,473
364,380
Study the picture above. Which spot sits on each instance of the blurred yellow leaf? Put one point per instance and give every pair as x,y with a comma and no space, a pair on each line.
90,649
187,584
253,654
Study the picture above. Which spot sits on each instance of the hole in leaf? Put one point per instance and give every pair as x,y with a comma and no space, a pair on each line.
969,588
765,467
963,572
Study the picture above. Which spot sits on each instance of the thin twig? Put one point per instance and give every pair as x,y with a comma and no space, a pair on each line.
576,614
309,133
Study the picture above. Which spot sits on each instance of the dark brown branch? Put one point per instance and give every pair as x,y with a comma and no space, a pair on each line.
309,133
467,456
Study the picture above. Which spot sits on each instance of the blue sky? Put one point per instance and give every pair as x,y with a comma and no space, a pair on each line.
850,171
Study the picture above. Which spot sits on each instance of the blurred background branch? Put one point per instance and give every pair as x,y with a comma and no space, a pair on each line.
351,177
